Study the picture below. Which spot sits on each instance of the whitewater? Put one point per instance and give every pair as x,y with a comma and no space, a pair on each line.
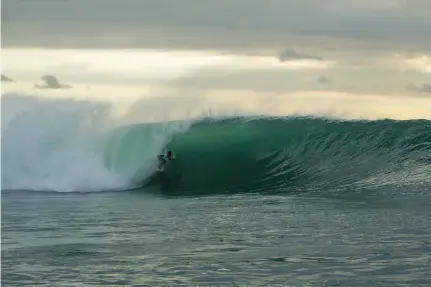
69,145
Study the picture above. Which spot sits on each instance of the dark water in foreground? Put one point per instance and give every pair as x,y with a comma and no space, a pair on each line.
146,239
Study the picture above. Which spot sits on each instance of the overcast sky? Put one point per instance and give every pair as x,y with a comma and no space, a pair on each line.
362,46
215,24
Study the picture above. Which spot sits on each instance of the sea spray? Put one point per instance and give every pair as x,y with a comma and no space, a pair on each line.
66,145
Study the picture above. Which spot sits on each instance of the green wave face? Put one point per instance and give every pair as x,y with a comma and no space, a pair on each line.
282,155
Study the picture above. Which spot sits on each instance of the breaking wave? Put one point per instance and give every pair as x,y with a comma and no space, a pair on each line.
76,147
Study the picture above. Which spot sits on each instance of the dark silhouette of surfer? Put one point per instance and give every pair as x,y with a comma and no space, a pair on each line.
165,158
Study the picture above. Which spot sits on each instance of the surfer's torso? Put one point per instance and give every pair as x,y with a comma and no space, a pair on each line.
164,159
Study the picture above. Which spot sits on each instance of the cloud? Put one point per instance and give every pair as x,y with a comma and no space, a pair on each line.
6,79
422,89
51,82
289,54
323,80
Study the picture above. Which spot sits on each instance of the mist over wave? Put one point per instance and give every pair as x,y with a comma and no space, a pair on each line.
66,145
60,145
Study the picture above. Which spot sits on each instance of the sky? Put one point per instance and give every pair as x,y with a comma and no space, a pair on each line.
357,57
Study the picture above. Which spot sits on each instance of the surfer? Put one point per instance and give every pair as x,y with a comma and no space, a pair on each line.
164,158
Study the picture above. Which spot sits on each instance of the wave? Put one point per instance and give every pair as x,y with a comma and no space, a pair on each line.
74,146
293,154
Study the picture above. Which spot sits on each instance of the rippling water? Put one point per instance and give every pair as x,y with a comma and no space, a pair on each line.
142,238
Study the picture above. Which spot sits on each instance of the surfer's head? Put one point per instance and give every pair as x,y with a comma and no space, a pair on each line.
169,153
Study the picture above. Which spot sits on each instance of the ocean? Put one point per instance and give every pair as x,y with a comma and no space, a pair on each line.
248,201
